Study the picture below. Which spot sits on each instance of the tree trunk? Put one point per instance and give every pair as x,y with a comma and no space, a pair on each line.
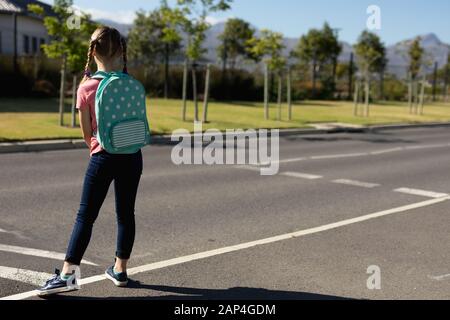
272,87
185,78
381,97
194,92
266,92
435,76
280,93
224,58
206,98
422,95
367,92
314,78
233,64
447,71
74,100
446,93
62,91
289,93
335,63
350,77
356,98
166,71
416,97
410,93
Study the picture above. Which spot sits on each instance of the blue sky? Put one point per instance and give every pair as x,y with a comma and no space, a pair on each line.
401,19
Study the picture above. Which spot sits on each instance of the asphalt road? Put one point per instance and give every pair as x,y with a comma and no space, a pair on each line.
340,204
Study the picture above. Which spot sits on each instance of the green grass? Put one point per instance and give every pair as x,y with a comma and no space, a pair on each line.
36,119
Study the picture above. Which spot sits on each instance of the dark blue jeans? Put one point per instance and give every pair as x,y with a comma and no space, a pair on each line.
125,171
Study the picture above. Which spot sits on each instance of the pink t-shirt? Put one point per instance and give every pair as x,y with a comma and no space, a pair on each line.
86,99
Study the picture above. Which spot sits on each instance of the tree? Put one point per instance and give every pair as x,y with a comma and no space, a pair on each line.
144,39
446,72
309,52
371,57
234,42
416,60
153,38
269,47
66,44
318,48
331,49
171,38
191,15
415,53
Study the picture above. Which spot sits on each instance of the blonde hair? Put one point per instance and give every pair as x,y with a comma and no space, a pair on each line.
108,43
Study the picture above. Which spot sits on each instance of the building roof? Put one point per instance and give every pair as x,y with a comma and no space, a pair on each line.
21,7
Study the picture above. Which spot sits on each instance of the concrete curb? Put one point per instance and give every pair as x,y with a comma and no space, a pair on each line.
72,144
407,126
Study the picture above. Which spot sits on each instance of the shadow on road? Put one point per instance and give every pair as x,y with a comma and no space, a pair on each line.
379,138
184,293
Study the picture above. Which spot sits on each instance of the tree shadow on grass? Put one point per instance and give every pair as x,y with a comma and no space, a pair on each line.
30,105
185,293
248,104
316,104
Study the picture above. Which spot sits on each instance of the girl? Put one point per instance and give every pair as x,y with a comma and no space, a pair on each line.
107,48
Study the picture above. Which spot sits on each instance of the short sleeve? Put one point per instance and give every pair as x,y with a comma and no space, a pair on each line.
82,99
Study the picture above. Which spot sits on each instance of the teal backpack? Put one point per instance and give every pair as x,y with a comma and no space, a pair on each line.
120,109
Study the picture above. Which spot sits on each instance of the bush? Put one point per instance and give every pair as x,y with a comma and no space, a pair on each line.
43,89
23,83
395,90
234,85
15,85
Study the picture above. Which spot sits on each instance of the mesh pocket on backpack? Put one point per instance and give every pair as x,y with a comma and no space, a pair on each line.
128,134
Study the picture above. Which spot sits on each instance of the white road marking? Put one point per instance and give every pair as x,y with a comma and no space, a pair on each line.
429,146
356,183
291,160
242,246
423,193
301,175
387,151
440,278
338,156
15,233
38,253
26,276
39,188
248,167
364,154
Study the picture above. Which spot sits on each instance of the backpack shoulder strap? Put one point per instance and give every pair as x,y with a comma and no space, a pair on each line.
100,75
103,75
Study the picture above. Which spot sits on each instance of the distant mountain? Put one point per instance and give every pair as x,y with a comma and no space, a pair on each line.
435,50
121,27
397,54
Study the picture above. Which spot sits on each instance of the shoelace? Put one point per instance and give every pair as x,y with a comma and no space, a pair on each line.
55,276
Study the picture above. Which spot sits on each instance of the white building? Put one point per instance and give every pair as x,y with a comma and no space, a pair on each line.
29,30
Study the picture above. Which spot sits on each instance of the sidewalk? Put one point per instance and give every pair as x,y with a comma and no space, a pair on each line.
326,128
